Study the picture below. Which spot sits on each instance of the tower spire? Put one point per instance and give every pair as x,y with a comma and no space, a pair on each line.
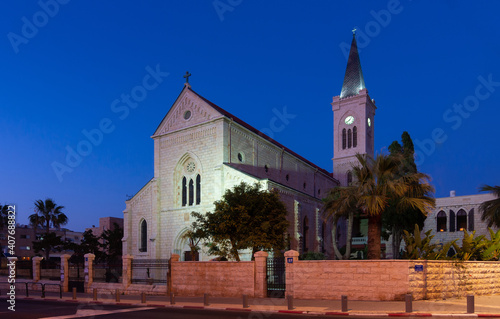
353,79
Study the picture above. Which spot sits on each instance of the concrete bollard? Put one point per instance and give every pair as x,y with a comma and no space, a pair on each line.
74,293
172,298
143,297
289,299
117,295
344,303
408,304
470,304
245,301
205,300
95,294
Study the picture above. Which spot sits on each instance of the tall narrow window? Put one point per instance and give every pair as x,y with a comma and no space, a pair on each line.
349,178
349,138
354,136
461,220
441,221
198,189
323,229
143,247
191,192
344,139
184,191
452,221
471,220
305,231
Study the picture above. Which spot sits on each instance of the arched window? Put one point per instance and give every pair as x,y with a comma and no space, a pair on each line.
143,245
349,178
451,252
349,138
191,192
344,139
198,189
471,220
355,137
441,221
452,221
461,220
305,232
184,191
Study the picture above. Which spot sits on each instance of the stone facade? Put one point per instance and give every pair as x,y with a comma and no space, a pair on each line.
200,150
454,212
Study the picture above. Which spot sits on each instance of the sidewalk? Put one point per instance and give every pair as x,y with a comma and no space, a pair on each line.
485,306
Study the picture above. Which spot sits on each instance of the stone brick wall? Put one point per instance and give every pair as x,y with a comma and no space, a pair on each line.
357,279
223,279
446,279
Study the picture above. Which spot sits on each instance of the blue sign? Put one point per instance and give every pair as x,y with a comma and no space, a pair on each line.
289,260
419,267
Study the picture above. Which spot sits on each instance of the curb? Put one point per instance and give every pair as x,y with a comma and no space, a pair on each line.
329,313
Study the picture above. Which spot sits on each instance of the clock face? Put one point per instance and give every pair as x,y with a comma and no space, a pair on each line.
369,122
349,120
190,167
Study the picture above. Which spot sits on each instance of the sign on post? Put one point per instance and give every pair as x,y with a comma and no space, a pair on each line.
289,260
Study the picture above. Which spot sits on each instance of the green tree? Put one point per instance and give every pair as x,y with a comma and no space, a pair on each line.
194,237
112,243
341,202
395,220
47,214
47,243
378,184
491,209
245,217
4,215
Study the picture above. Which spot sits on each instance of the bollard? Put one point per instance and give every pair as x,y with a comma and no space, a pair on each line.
74,293
95,294
27,293
344,303
470,304
205,300
43,290
143,297
409,307
117,293
172,298
245,301
290,302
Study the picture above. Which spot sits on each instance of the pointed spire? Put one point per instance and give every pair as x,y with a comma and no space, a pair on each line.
353,79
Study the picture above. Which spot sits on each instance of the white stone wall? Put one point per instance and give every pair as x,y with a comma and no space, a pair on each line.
456,203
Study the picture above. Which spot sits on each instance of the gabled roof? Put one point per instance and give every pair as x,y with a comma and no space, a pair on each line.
254,130
353,78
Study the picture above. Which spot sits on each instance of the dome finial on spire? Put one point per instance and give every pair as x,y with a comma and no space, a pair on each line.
353,79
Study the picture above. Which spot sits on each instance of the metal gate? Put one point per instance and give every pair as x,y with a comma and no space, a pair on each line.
276,277
149,271
76,277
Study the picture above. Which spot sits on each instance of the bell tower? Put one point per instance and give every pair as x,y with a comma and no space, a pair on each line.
353,119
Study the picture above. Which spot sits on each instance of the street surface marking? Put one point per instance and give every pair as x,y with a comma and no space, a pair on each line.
91,312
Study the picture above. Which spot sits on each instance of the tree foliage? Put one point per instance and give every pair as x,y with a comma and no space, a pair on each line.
112,247
491,209
47,214
395,219
245,218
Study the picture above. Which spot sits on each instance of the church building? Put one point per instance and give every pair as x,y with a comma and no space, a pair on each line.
201,150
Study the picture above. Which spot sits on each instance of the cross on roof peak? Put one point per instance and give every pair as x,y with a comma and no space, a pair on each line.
186,76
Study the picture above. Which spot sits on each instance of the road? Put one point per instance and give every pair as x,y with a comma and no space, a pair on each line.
35,309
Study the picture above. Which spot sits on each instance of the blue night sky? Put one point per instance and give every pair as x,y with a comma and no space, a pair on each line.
432,67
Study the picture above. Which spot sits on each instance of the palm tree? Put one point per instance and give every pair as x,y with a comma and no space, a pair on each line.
341,202
491,208
47,214
378,184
